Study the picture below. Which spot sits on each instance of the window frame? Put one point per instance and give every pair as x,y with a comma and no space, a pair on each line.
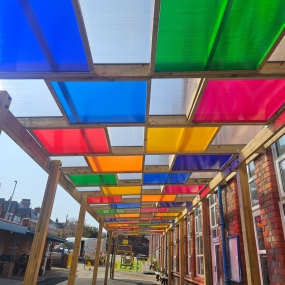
199,241
189,256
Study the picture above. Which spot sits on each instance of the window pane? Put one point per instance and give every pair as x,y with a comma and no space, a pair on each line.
253,193
213,216
202,265
280,146
215,233
264,269
251,169
282,173
259,233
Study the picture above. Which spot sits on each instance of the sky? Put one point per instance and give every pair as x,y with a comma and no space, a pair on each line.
31,179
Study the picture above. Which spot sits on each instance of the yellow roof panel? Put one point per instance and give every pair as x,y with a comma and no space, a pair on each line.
166,214
168,140
126,215
122,190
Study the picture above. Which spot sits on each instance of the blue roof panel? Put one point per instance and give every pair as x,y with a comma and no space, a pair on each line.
31,42
103,102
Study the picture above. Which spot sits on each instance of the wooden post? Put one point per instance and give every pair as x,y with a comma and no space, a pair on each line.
162,252
97,254
77,242
169,256
181,251
108,257
114,256
250,250
35,258
208,277
5,101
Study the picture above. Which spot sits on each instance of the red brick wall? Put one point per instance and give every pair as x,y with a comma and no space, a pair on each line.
23,244
268,196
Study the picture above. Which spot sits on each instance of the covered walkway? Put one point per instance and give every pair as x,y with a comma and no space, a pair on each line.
141,109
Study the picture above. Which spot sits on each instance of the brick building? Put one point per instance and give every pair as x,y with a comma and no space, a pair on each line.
266,181
17,229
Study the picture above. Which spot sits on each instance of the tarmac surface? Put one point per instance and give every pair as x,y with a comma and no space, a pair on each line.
59,276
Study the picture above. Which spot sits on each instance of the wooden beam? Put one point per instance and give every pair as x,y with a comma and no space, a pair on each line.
154,35
128,70
23,139
114,257
206,243
5,101
195,99
249,242
35,258
97,253
77,242
181,252
107,73
108,257
170,257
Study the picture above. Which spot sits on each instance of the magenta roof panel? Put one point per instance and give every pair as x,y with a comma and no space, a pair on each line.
240,100
189,189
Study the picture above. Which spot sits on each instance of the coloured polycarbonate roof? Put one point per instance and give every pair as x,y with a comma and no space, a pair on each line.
142,101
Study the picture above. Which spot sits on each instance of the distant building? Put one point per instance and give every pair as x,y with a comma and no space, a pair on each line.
17,228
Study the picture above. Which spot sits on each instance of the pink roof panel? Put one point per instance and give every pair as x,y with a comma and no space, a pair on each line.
240,100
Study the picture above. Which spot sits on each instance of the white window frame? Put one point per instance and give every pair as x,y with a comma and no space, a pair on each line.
215,226
259,251
281,203
277,160
198,236
250,180
189,244
174,249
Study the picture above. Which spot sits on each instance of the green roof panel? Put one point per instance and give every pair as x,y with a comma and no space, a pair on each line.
94,179
216,35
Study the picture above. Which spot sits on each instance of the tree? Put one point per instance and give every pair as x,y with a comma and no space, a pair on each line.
90,232
69,229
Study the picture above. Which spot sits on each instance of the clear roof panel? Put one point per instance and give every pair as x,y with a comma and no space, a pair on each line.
94,188
30,98
71,161
171,96
126,136
156,160
129,176
31,42
124,24
279,53
145,187
236,134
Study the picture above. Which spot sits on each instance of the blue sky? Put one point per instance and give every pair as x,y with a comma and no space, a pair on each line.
15,164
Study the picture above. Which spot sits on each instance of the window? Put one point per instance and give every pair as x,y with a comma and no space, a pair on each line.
189,243
199,242
252,186
263,267
213,216
262,260
174,249
214,240
280,164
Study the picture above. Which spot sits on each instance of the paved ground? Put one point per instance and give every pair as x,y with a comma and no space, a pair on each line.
59,276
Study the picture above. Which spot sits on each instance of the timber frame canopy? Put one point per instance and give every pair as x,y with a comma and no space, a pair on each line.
148,110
